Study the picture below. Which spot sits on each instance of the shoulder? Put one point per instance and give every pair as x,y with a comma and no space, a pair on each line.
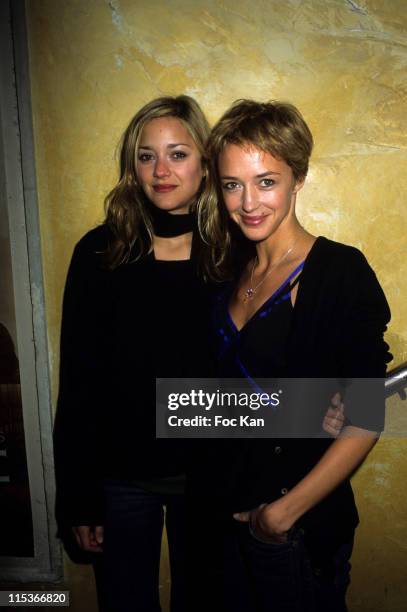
87,267
94,242
90,253
332,262
328,252
344,271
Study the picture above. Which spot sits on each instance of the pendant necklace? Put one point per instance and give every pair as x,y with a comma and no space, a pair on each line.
249,293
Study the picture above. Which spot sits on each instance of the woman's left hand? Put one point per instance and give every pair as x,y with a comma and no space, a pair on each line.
265,523
335,417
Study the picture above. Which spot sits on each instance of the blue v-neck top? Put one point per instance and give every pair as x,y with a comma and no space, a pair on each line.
259,348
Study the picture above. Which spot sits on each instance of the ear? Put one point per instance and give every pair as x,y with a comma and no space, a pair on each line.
299,183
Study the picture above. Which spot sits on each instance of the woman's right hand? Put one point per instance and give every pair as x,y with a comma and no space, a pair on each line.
89,537
266,523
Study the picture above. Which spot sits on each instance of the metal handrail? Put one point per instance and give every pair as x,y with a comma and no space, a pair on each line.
396,381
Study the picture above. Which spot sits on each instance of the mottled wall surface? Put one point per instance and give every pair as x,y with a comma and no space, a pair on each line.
343,63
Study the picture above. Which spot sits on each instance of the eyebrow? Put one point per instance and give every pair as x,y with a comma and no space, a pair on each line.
264,174
170,146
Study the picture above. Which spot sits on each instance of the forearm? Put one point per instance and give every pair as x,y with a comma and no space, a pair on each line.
337,464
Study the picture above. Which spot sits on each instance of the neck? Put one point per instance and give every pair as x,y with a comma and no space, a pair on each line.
271,250
171,249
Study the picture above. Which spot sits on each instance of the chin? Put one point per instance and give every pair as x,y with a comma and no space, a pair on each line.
257,234
171,207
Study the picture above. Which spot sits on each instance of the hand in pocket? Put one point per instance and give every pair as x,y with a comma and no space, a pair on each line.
264,524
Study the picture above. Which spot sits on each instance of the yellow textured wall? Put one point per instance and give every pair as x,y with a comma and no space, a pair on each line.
342,62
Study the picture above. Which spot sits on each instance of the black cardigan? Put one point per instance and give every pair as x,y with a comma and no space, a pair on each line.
121,329
340,316
337,330
86,311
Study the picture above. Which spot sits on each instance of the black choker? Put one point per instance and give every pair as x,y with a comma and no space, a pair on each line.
166,225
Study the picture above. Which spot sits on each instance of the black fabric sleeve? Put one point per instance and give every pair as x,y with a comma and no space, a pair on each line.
365,353
77,422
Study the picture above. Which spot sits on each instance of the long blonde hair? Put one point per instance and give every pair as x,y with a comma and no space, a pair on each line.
126,209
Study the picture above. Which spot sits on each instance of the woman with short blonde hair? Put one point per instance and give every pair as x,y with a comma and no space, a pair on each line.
297,306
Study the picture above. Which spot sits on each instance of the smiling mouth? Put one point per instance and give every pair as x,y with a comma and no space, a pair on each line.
253,221
164,188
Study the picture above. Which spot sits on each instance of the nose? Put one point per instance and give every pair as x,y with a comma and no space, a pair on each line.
248,200
161,168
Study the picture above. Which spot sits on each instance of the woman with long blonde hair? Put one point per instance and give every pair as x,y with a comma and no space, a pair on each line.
131,305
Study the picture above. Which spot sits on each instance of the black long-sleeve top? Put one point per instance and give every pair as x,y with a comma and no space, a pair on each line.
120,330
334,331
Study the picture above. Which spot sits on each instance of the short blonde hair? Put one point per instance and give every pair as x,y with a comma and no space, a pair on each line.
275,127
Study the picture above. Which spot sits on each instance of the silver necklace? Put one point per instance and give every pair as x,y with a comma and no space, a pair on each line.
249,293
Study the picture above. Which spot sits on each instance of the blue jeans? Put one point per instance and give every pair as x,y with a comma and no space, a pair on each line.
280,577
128,569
